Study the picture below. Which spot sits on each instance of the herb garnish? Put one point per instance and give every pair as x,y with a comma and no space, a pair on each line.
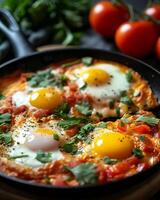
151,120
118,112
110,161
138,153
44,157
62,110
18,156
84,108
85,173
87,61
5,138
129,76
126,100
83,132
5,118
1,96
142,138
70,147
56,137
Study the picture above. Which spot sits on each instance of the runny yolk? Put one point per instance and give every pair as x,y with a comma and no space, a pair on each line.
112,144
94,76
45,131
45,98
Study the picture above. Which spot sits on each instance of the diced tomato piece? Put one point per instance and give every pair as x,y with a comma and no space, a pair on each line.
4,127
71,132
5,110
142,129
72,86
20,109
59,181
122,127
41,113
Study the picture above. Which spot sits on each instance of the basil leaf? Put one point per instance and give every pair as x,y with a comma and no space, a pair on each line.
44,157
110,161
84,108
87,61
5,118
129,76
85,173
71,121
138,153
151,120
5,138
126,100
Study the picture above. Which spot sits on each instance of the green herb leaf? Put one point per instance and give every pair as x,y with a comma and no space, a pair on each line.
110,161
83,87
1,96
5,118
126,100
62,110
87,61
70,147
84,108
5,138
138,153
151,120
129,76
44,157
85,173
142,138
56,137
18,156
70,122
83,133
118,112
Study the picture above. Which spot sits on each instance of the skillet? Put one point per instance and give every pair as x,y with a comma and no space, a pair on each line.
27,59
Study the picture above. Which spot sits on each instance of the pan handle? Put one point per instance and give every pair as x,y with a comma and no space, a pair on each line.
12,31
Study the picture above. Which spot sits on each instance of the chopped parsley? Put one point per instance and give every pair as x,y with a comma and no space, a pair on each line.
111,104
142,138
83,87
62,110
138,153
70,122
87,61
151,120
5,118
5,138
18,156
84,108
129,76
56,137
46,78
44,157
118,112
110,161
126,100
83,132
70,147
84,173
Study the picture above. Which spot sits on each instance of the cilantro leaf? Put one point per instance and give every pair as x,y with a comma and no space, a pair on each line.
44,157
126,100
84,108
70,147
18,156
151,120
62,110
110,161
5,118
142,138
129,76
5,138
56,137
138,153
87,60
1,96
118,112
83,133
71,121
85,173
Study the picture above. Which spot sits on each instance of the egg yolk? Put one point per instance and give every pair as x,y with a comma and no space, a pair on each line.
93,76
45,98
45,131
112,144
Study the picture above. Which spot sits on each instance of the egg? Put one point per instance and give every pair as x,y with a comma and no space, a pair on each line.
112,144
41,98
103,80
31,137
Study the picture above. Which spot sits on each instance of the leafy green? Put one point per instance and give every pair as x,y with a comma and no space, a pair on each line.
126,100
110,161
44,157
151,120
70,147
83,132
138,153
5,138
46,78
56,137
1,96
84,108
69,17
118,112
18,156
87,61
70,122
5,118
142,138
85,173
129,76
62,110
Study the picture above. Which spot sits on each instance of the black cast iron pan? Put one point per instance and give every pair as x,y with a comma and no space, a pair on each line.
28,59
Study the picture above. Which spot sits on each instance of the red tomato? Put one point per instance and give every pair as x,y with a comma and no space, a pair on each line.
143,129
154,12
158,48
136,38
105,17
